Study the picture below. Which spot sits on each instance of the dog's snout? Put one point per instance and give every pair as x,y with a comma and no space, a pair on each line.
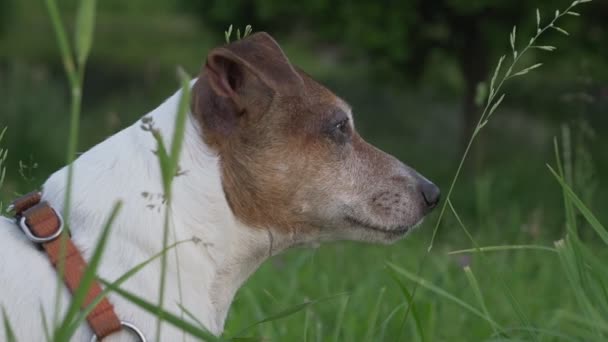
430,193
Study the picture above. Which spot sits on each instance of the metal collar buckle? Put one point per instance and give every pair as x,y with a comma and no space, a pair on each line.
39,240
130,328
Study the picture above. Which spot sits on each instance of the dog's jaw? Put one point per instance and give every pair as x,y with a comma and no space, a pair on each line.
222,252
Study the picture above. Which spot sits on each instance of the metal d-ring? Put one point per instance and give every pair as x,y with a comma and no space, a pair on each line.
32,237
130,328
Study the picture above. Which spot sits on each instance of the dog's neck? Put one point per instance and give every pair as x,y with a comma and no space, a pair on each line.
220,253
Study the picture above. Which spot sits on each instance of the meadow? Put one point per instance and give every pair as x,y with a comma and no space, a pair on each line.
515,252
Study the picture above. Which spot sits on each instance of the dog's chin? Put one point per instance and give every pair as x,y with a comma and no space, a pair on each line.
380,234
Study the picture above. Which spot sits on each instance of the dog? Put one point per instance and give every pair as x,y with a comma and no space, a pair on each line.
270,160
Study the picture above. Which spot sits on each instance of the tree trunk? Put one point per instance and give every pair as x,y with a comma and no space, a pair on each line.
474,68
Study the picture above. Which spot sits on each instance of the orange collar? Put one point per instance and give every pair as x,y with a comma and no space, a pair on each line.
43,226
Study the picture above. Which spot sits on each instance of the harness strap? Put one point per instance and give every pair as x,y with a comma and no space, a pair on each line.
40,220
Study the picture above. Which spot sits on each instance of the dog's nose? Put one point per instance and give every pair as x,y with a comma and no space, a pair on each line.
431,194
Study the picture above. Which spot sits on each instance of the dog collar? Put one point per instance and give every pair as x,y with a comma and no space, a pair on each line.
43,226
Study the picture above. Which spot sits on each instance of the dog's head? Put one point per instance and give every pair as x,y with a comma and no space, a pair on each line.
291,159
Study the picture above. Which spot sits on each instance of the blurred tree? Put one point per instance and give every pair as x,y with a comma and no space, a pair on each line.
5,11
399,36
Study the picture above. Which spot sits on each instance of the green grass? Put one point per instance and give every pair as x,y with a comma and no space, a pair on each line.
500,269
361,270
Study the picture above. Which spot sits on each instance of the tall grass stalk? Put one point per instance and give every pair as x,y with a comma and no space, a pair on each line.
166,316
373,317
8,329
288,312
513,301
585,272
479,296
169,166
74,68
442,293
411,307
80,318
3,156
340,319
79,296
502,249
494,99
74,64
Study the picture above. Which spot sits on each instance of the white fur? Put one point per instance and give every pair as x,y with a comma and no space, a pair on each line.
212,267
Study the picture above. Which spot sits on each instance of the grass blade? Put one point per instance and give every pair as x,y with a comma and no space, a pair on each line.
180,121
75,79
477,292
503,248
373,317
88,277
3,155
389,317
591,219
45,324
85,23
306,320
166,316
441,292
126,276
169,170
8,329
546,332
290,311
340,319
509,293
190,315
601,325
569,260
411,306
294,309
62,41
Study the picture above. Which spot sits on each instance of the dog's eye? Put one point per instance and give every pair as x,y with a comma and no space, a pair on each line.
340,130
342,126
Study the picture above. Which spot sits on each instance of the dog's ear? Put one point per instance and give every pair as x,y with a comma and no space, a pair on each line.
259,56
241,79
